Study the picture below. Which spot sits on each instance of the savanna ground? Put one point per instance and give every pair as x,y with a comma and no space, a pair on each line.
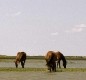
35,69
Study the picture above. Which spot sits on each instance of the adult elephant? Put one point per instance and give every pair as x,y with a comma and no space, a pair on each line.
21,57
60,57
51,59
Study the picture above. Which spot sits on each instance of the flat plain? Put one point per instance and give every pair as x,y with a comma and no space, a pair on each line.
35,69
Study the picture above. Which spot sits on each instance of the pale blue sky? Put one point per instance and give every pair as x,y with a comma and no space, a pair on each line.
37,26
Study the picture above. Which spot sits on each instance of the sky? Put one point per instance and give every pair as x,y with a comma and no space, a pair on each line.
39,26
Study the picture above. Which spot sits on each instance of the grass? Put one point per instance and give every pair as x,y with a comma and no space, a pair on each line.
42,57
42,69
72,70
11,59
22,69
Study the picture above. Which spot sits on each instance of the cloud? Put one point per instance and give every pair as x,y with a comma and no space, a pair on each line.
13,14
76,28
81,26
16,14
54,33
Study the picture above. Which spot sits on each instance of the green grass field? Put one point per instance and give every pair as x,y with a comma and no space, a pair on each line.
42,57
12,58
43,69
